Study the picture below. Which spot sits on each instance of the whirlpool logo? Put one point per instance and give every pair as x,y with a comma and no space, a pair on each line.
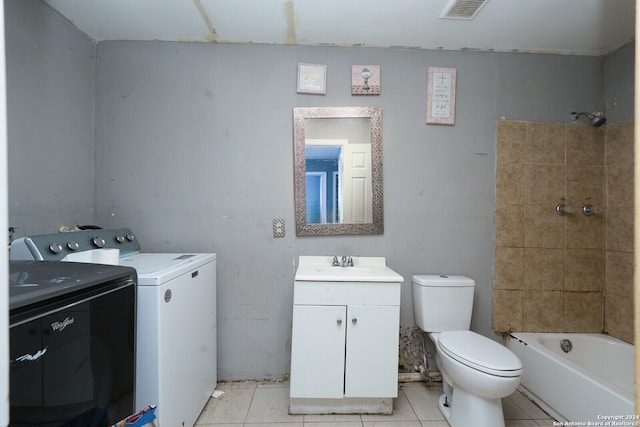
31,357
60,326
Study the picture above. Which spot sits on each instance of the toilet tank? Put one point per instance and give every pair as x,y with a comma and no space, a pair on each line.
443,302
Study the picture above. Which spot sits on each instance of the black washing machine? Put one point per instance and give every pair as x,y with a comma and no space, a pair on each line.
72,343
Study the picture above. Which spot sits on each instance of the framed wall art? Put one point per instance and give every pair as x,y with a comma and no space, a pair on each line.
365,80
312,78
441,96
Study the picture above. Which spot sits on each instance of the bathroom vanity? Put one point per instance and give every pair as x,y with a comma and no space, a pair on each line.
344,350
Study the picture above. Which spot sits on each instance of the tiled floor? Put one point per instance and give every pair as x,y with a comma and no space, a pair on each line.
255,404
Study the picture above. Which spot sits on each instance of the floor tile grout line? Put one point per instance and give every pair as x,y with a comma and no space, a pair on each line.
411,405
253,396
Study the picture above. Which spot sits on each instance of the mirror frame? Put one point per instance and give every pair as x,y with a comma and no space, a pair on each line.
300,182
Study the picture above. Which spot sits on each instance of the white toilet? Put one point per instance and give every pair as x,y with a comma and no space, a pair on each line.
477,372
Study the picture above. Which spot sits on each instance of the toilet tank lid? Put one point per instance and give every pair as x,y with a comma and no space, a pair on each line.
443,280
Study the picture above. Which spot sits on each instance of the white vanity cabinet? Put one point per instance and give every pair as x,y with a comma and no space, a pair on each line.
344,349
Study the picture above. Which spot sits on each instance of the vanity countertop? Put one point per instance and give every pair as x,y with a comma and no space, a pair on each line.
364,269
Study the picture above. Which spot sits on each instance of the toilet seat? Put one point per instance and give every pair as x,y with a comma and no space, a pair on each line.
480,353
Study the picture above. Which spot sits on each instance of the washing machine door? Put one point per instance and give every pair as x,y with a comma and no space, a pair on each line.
479,352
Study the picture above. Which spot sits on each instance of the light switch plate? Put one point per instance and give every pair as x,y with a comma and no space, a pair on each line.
278,227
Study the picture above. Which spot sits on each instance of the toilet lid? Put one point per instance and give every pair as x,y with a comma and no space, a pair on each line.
480,353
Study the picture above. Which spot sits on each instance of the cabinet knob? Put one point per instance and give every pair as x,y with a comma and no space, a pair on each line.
354,320
339,321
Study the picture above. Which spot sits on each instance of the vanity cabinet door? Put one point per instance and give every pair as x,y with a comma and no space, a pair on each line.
371,363
317,351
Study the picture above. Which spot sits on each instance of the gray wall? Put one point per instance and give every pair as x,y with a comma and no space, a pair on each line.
183,133
50,97
619,84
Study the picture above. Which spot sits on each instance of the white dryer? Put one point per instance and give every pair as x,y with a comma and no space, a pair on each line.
176,340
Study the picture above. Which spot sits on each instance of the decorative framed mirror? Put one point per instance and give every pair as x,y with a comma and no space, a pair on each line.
338,182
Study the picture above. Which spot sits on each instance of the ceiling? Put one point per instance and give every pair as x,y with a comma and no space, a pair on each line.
577,27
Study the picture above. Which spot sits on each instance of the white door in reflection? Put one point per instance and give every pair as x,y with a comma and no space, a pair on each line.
356,184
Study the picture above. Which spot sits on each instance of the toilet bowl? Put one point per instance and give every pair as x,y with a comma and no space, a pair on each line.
477,372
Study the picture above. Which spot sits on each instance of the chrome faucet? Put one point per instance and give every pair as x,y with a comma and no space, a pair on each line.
345,261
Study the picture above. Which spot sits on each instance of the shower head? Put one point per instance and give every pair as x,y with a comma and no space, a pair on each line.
596,118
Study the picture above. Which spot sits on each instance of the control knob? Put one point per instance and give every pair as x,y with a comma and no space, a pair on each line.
73,246
131,237
98,242
120,239
55,248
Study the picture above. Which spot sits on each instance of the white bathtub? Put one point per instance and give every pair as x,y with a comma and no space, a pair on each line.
592,382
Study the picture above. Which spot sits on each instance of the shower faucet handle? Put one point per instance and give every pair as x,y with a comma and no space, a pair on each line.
563,209
590,210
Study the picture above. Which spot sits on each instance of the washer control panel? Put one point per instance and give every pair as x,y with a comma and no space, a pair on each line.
54,247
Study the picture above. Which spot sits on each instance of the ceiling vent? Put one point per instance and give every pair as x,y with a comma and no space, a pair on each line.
462,9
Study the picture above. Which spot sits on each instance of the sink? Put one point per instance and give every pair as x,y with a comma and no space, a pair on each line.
365,269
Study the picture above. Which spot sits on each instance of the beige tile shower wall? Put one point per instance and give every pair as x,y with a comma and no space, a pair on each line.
550,270
619,162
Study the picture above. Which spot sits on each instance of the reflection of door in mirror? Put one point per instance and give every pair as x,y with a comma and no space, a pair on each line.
347,197
356,188
340,147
